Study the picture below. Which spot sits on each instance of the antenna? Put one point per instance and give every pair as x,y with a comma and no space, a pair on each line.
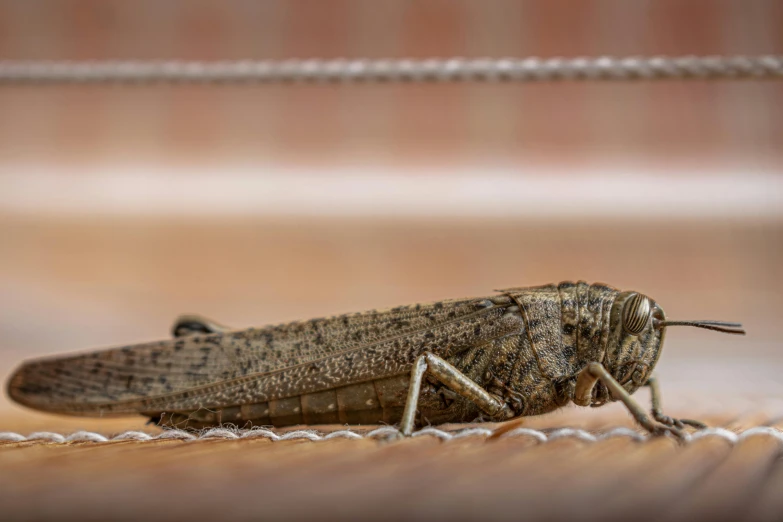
717,326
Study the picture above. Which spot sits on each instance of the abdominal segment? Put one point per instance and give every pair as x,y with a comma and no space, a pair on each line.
374,402
370,403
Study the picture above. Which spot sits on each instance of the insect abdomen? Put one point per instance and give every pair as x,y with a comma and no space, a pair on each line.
372,402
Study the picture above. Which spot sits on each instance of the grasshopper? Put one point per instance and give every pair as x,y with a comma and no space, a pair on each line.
524,351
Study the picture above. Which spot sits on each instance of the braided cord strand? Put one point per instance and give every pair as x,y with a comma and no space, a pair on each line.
385,433
395,70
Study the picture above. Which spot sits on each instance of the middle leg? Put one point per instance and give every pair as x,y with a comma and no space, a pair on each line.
655,394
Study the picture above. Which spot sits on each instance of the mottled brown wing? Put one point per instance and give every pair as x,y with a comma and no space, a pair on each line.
257,364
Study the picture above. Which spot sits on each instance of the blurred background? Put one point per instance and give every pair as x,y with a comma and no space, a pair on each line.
122,207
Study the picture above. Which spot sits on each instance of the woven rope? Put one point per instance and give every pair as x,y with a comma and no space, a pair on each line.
384,433
430,70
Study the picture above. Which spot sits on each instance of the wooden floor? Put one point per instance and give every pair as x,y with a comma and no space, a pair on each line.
82,284
424,478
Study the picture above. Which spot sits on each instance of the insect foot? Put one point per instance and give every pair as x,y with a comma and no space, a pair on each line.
677,423
663,429
395,435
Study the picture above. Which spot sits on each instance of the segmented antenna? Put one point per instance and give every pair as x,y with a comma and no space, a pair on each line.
717,326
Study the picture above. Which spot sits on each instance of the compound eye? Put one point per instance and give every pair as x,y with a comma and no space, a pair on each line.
636,313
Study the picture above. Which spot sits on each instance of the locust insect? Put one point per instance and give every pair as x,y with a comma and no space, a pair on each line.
524,351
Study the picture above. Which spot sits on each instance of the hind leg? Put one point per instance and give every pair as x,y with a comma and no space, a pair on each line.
195,324
455,381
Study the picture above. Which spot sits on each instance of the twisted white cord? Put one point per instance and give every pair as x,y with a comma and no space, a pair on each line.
397,70
385,433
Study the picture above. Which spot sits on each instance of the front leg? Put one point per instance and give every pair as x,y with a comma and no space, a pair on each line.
594,372
454,380
655,394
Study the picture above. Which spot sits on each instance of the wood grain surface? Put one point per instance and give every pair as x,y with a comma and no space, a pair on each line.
416,479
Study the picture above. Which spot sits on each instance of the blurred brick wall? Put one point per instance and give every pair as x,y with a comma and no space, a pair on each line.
392,124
